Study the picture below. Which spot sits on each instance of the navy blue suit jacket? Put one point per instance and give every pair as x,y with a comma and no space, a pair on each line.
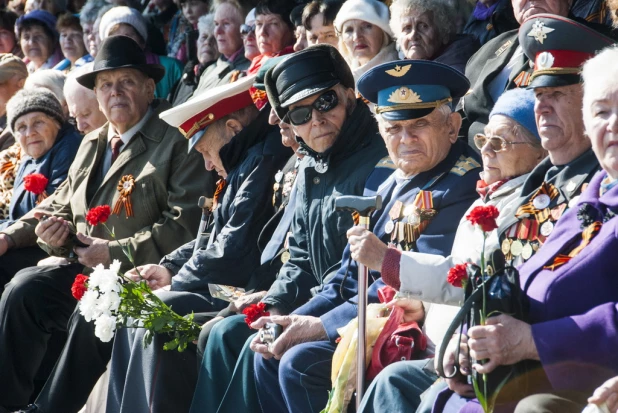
453,193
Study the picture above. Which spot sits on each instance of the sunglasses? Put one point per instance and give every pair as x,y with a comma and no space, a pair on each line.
302,114
496,143
246,29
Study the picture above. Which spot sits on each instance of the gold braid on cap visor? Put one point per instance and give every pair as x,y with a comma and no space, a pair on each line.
404,106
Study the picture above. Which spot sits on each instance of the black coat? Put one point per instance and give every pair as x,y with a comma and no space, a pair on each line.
232,255
319,230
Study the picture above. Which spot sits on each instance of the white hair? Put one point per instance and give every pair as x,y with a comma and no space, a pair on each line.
50,79
206,24
448,15
71,85
599,73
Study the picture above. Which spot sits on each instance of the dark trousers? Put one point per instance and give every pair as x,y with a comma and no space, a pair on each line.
16,260
36,303
226,378
299,382
83,360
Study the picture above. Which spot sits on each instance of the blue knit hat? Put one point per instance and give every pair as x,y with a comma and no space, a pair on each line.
518,104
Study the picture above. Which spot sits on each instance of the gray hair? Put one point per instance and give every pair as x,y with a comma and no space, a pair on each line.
90,11
71,83
50,79
448,15
206,24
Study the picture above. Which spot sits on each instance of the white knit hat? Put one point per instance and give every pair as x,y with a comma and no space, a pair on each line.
123,14
370,11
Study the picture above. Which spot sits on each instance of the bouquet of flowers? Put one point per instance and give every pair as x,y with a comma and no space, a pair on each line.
112,300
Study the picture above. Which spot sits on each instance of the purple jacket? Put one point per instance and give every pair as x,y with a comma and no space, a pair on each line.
573,310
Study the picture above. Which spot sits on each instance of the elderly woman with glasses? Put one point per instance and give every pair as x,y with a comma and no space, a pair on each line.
247,32
510,149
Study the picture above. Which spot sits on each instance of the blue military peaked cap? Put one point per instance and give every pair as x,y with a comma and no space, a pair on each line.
410,89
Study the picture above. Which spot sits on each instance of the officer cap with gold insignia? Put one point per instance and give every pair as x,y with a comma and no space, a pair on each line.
411,89
193,117
558,47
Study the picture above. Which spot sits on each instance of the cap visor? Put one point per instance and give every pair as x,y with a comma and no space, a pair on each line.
406,114
554,81
196,138
305,93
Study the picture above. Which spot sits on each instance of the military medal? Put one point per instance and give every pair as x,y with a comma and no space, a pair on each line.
506,246
321,167
526,252
285,256
547,228
516,248
389,227
541,201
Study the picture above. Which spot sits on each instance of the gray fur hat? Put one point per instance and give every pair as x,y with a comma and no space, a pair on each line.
33,100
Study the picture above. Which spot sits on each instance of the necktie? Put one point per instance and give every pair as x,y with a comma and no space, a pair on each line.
278,237
116,143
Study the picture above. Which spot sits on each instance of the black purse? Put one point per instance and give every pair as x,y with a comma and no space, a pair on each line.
503,295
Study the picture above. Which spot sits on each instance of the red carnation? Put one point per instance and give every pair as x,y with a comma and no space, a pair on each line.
98,215
35,183
458,275
253,312
79,286
484,217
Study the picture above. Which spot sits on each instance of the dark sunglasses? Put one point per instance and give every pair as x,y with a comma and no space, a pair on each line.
302,114
246,29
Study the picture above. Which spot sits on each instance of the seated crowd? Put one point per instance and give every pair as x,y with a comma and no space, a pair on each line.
223,135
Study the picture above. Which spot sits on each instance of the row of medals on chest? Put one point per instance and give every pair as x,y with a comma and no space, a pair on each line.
526,246
405,222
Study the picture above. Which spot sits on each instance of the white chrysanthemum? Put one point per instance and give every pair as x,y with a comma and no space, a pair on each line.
88,305
108,281
115,266
105,327
108,302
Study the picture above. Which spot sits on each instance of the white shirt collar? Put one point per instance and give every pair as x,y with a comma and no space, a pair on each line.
126,137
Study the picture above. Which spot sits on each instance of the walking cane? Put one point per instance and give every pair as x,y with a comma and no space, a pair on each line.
206,205
364,206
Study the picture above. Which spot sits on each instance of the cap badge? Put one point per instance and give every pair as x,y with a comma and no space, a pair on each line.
404,95
545,60
539,31
399,71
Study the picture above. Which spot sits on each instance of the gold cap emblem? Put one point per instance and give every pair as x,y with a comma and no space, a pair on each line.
539,31
404,95
399,71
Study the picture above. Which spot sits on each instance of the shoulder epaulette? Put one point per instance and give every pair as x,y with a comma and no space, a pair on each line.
464,165
387,163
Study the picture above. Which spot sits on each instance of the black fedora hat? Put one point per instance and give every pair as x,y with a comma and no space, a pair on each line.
120,52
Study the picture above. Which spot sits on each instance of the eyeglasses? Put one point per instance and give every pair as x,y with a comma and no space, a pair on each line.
301,115
246,29
496,143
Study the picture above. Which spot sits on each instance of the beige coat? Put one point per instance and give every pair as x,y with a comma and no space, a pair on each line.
167,187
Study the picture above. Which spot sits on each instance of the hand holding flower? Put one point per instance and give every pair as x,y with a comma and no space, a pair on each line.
155,275
502,341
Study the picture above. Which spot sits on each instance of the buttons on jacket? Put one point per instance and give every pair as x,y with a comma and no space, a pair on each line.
316,180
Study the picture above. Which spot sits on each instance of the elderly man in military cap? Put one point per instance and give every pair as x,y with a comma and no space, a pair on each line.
558,46
313,91
424,198
501,63
158,181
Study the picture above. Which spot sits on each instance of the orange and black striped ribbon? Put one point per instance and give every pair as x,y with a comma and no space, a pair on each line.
356,217
528,208
221,183
423,200
587,236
